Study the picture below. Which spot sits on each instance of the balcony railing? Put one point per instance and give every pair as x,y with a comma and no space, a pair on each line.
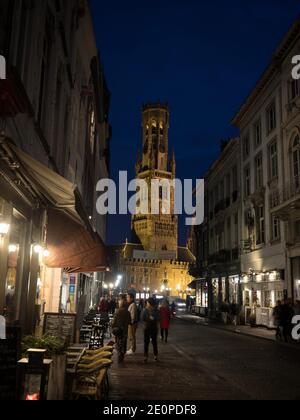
288,192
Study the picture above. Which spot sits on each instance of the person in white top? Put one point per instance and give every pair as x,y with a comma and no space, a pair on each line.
133,310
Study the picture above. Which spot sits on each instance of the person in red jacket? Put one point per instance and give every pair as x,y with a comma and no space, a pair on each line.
165,318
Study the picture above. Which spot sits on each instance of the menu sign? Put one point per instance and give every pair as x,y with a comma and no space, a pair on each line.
61,326
10,351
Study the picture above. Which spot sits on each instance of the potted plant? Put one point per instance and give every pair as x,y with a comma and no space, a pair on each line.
55,350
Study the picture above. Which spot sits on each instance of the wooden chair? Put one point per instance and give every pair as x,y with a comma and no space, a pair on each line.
92,381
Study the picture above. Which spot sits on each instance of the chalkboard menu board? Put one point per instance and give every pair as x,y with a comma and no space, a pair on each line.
61,326
10,352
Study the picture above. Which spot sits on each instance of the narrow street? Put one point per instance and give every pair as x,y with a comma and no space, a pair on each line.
203,363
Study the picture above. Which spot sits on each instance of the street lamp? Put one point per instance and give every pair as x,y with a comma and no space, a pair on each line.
46,253
12,248
4,228
38,249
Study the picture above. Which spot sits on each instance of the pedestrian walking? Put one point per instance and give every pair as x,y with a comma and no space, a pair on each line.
120,326
103,306
276,317
132,329
165,318
150,319
173,308
113,305
286,314
234,313
225,310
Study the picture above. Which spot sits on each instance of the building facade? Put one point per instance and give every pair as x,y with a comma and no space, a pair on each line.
154,263
54,147
218,240
284,197
265,231
268,124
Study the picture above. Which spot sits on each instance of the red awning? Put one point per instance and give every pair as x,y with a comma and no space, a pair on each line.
72,247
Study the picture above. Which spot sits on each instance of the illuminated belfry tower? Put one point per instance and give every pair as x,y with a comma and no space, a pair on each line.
159,232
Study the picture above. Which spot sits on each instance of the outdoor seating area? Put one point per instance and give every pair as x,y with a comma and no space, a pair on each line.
87,373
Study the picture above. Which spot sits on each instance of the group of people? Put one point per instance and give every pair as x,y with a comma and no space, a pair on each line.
107,306
127,319
283,315
230,313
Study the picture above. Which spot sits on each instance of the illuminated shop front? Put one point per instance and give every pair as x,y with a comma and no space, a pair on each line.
202,296
261,291
296,278
42,236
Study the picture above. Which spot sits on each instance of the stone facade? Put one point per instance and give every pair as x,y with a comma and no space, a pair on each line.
54,106
154,262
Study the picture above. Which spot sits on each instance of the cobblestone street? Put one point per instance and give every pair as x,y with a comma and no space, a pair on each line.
203,363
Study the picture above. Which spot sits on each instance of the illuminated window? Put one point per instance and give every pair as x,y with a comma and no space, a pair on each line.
161,129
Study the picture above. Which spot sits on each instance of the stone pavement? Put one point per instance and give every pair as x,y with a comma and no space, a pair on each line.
257,332
174,377
203,363
241,329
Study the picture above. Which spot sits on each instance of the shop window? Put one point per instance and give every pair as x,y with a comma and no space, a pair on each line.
15,253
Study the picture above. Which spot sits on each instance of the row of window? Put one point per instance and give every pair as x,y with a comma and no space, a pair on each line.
271,121
260,227
259,169
155,128
222,238
224,190
271,124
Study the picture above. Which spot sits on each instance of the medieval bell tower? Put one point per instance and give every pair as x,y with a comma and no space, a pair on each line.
157,232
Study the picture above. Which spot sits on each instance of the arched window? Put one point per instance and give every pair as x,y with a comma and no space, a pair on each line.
161,129
296,160
154,127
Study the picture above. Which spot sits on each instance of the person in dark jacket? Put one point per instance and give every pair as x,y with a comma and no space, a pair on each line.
276,317
286,314
234,313
120,326
150,318
165,318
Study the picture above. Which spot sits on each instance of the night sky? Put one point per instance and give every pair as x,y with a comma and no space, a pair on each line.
202,57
